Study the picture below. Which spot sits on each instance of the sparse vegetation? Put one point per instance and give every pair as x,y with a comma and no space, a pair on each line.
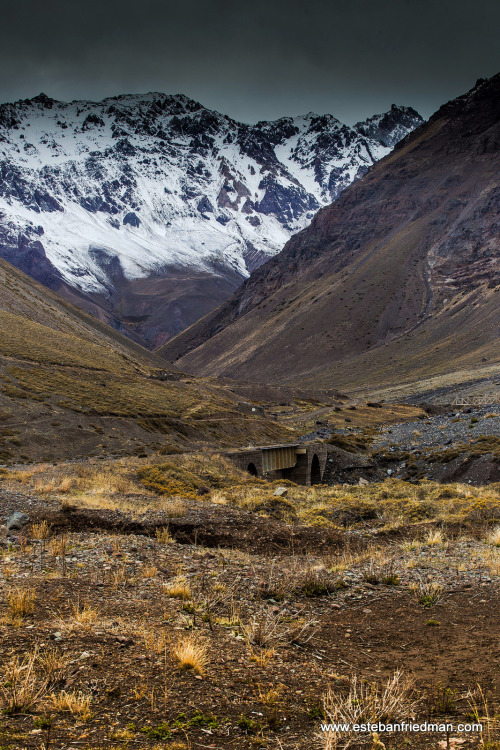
368,702
191,653
77,704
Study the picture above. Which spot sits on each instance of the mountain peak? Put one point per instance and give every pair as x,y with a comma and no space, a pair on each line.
103,195
395,282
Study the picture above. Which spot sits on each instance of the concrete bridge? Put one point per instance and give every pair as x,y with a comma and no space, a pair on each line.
302,464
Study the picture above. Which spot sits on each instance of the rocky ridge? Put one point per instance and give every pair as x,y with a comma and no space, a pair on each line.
149,210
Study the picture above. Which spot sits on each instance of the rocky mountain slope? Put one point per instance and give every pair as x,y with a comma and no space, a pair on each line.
150,210
397,281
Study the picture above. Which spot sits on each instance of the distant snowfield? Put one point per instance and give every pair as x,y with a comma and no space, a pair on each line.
137,184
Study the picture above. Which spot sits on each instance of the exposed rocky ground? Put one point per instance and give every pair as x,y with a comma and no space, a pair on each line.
442,429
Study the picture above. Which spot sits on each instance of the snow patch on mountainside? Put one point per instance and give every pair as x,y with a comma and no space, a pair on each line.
135,185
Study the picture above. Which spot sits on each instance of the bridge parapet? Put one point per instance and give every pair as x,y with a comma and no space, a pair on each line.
304,464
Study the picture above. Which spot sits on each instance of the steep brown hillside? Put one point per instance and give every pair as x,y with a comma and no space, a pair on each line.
398,279
70,386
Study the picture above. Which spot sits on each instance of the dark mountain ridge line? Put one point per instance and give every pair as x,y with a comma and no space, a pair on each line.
440,181
173,204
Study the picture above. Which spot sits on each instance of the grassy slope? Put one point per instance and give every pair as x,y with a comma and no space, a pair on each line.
70,385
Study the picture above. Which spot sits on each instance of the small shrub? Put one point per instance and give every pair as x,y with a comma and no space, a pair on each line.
191,653
164,536
180,589
77,704
21,603
494,537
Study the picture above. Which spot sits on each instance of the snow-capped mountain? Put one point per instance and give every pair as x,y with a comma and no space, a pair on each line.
106,199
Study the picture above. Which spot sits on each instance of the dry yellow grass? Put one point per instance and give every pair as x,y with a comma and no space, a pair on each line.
115,484
21,602
77,704
40,530
262,657
81,618
434,537
179,589
164,536
154,640
149,571
57,546
494,537
191,653
20,687
368,703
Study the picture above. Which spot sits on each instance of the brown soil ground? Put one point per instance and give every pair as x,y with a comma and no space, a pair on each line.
274,643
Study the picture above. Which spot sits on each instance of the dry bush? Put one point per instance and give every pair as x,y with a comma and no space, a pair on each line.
191,653
81,618
434,537
21,603
149,571
366,702
77,704
20,687
164,536
268,629
40,530
494,537
179,589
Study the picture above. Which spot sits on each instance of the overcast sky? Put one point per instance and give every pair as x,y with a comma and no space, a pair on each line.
252,60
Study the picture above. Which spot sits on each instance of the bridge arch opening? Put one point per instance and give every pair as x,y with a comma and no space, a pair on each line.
252,469
315,470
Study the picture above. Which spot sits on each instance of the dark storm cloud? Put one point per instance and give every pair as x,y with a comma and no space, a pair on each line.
252,60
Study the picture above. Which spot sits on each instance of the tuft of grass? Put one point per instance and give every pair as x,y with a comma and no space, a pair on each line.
76,703
434,537
494,537
180,589
20,687
191,653
366,702
164,536
427,594
40,530
21,603
81,618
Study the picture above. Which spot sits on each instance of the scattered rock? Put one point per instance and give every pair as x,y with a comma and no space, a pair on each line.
17,521
281,491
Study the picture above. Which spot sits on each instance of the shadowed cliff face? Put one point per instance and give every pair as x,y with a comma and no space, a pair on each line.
399,277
